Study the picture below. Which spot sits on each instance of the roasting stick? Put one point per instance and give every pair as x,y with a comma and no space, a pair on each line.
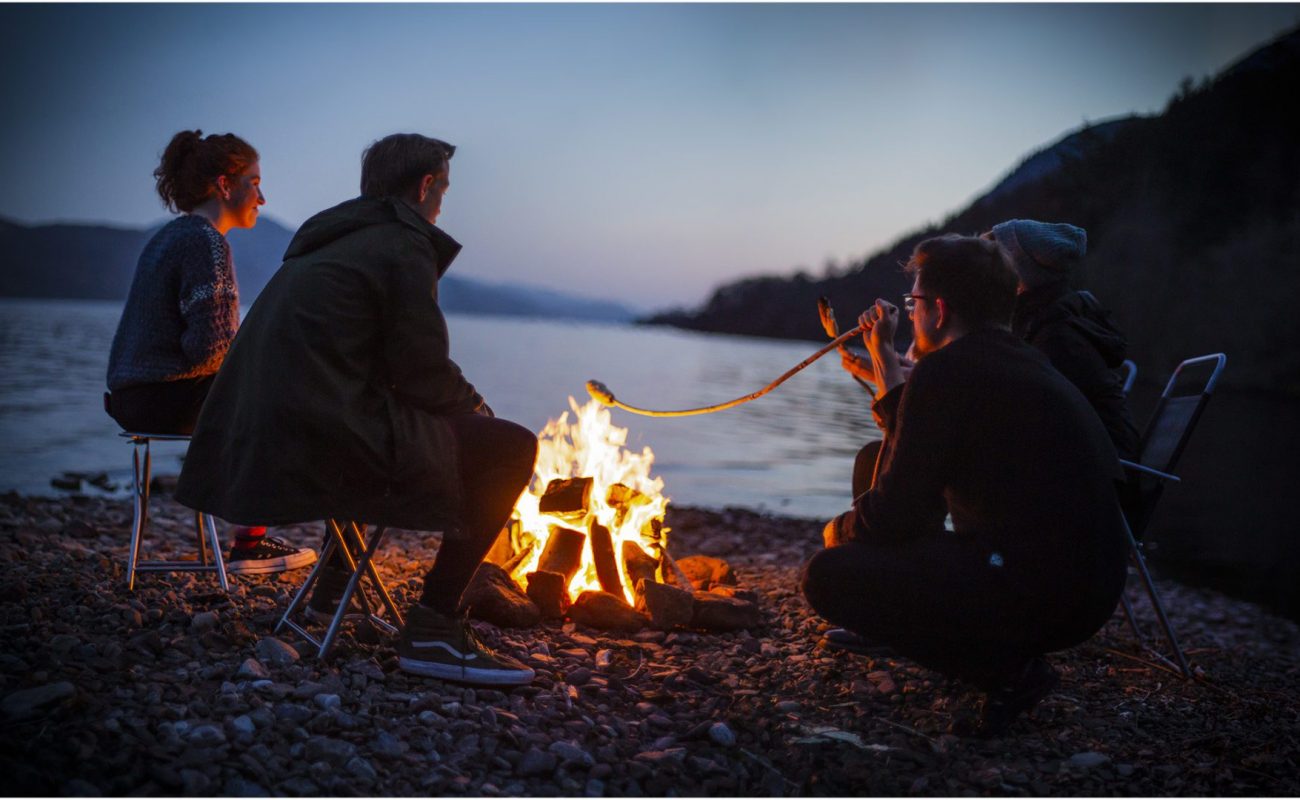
832,328
602,393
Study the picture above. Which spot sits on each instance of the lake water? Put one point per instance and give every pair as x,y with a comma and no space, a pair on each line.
790,452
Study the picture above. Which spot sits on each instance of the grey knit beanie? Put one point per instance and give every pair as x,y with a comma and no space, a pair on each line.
1041,252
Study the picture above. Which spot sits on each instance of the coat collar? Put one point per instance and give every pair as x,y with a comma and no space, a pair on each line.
446,247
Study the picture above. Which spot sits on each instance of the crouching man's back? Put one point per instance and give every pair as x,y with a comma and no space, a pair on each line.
985,429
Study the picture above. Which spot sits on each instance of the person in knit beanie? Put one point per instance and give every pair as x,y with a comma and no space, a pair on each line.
1072,328
1042,253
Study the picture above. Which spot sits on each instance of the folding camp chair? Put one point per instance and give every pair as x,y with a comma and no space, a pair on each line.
205,530
346,538
1162,443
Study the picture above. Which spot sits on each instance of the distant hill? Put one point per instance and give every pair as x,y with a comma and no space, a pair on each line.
1193,220
97,262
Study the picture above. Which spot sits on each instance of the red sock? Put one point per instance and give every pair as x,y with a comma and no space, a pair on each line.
248,538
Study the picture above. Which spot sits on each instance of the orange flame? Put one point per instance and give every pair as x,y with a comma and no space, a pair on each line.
592,447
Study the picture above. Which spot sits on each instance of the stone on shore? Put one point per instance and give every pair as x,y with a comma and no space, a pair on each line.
607,612
27,702
667,606
494,597
274,651
717,613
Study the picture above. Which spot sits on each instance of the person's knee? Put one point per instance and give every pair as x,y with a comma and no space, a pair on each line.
840,530
523,449
818,584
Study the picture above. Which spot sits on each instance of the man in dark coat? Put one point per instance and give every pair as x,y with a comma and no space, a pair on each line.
983,428
339,399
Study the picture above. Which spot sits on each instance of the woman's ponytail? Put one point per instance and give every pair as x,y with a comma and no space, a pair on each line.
191,164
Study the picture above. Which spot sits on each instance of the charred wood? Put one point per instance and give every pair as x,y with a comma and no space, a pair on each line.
563,552
638,566
602,555
550,591
569,498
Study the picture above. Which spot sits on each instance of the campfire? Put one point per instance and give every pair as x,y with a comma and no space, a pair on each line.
588,541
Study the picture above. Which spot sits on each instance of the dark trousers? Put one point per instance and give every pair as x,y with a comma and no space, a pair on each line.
171,407
495,464
938,600
941,604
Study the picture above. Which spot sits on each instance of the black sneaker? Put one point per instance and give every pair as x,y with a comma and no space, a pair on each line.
1018,696
437,646
269,555
850,642
324,600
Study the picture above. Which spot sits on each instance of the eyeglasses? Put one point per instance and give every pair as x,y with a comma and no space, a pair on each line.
909,301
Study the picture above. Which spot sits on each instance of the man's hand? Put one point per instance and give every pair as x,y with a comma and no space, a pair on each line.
857,366
881,323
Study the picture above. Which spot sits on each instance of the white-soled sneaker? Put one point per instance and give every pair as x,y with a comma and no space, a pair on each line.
446,648
270,555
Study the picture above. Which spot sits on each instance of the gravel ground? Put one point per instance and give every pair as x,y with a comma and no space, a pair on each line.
181,689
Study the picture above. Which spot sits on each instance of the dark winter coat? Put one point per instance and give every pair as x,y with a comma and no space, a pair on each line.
331,400
987,430
1078,336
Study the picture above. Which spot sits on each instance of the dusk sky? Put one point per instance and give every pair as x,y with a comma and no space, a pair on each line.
637,153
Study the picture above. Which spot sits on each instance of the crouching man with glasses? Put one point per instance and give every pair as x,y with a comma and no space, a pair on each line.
982,428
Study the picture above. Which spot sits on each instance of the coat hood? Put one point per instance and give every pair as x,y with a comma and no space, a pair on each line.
1081,311
353,215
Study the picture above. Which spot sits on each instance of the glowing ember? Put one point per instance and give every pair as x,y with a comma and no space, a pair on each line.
591,447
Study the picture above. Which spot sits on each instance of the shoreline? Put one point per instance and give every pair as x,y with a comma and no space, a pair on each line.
154,693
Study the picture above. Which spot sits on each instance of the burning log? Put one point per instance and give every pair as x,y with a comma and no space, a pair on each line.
668,607
606,611
493,597
602,555
503,548
674,572
550,591
717,613
637,565
623,499
563,552
567,498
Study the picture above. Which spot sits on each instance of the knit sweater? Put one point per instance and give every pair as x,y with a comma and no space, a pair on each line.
182,311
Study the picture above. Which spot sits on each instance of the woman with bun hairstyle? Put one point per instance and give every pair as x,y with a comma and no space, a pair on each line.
183,308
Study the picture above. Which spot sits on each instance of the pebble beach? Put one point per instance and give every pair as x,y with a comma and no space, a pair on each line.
179,688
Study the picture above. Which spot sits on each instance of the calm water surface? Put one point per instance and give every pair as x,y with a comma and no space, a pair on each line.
790,452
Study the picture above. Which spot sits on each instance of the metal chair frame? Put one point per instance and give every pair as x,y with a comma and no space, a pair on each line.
1163,473
345,538
205,528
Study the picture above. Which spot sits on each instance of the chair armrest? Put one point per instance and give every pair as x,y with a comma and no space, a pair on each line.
1149,471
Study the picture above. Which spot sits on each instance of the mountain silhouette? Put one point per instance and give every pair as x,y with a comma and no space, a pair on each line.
97,262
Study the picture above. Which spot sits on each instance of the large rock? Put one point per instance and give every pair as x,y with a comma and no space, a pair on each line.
706,572
607,612
271,650
27,702
667,606
717,613
494,597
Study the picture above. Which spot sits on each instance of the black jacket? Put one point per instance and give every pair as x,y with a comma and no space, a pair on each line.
1078,336
986,430
332,397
